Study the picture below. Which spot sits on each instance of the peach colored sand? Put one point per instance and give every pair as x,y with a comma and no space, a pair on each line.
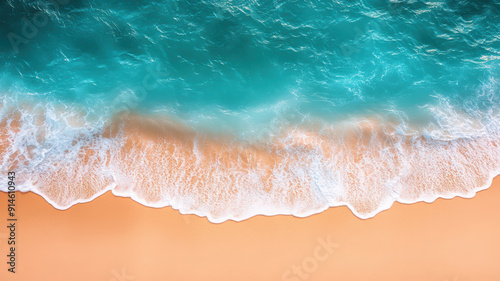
114,238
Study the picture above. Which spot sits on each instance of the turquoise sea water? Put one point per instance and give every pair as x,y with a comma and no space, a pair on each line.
253,68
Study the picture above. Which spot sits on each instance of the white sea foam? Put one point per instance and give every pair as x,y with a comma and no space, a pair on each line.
365,164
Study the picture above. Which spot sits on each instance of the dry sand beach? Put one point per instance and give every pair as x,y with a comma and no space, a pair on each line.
114,238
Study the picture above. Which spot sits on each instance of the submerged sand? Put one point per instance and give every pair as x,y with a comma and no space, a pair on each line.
365,165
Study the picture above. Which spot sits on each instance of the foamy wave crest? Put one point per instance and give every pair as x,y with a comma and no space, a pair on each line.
366,164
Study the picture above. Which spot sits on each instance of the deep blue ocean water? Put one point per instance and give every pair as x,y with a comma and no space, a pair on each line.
250,68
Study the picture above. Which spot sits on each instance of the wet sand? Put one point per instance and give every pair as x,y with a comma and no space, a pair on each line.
113,238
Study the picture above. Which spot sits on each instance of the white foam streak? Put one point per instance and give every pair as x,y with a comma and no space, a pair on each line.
366,165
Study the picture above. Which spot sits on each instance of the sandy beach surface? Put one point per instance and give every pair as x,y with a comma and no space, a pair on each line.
113,238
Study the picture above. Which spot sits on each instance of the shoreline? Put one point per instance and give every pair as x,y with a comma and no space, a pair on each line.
158,162
449,239
138,201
